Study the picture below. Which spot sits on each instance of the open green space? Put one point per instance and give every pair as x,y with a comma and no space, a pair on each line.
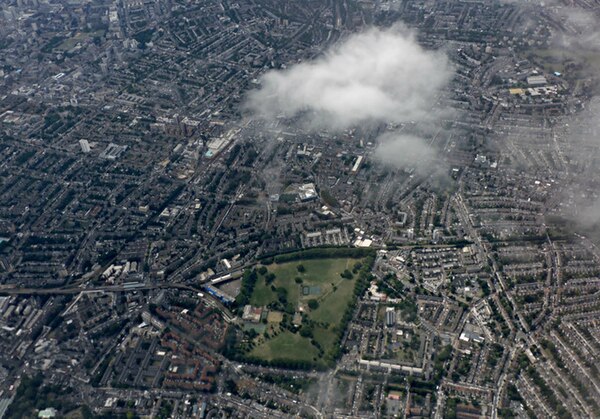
286,344
319,273
65,44
320,291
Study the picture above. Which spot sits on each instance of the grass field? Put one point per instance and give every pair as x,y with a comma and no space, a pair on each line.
322,273
286,345
290,291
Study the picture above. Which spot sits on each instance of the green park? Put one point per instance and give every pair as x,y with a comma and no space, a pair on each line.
309,297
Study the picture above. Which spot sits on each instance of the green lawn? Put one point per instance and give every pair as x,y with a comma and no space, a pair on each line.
325,284
69,43
320,273
286,345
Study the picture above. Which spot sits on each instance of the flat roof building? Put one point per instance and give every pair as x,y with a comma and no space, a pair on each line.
537,81
85,146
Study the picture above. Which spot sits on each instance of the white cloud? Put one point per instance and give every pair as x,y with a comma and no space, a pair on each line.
373,76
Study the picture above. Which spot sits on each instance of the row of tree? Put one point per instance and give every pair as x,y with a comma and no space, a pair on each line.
320,253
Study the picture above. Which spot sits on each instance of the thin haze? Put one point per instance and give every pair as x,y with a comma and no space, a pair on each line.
581,40
400,150
584,142
582,25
